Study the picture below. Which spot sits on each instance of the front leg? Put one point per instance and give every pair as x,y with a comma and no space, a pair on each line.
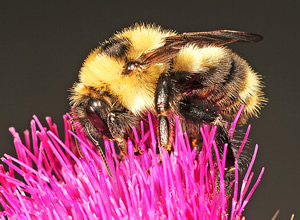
120,125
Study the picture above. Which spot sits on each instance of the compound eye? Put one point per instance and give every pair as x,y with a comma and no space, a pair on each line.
93,109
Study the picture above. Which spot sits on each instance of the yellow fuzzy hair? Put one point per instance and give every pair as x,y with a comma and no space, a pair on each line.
194,59
252,95
144,38
134,91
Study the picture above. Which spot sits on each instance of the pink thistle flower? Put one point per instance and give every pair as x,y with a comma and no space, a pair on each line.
57,184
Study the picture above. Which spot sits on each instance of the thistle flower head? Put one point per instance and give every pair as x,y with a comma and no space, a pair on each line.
57,184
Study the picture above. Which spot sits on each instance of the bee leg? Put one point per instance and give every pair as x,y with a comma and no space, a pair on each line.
115,120
164,132
221,139
122,144
96,143
196,112
162,99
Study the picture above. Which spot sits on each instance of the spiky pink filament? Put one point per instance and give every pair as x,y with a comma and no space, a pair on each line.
59,184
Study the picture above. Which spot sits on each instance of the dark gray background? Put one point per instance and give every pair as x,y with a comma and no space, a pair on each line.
43,43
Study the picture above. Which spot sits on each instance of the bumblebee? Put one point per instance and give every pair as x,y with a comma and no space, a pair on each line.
146,68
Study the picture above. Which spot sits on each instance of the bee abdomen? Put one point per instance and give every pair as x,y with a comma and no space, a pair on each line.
240,86
226,90
219,77
251,95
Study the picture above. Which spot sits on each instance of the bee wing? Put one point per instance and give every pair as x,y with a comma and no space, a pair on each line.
214,38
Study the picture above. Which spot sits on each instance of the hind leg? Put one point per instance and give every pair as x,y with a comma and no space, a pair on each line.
197,113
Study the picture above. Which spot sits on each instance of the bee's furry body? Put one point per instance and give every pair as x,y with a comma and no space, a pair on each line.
145,68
